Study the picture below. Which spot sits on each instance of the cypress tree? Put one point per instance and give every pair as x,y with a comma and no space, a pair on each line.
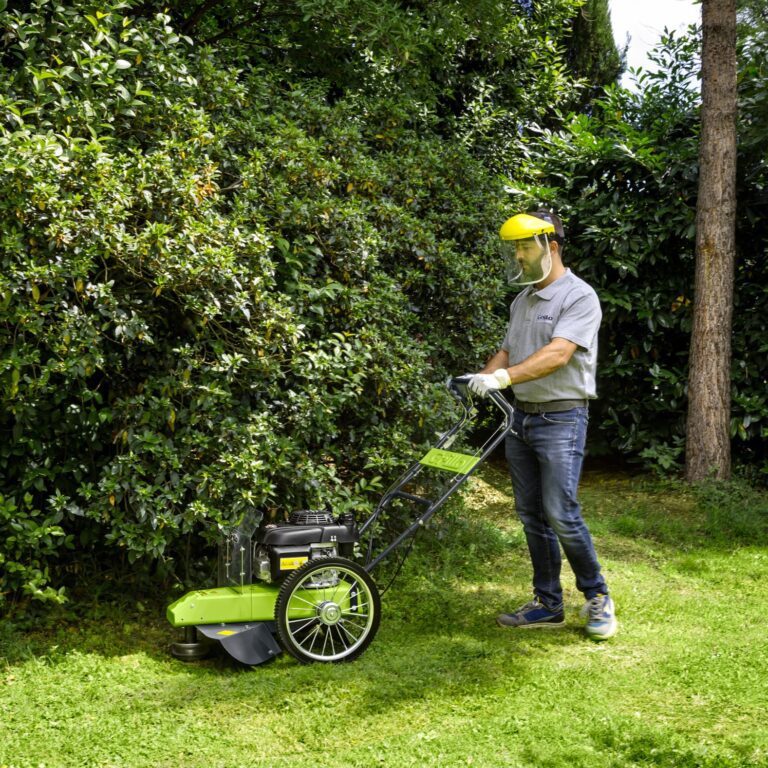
592,54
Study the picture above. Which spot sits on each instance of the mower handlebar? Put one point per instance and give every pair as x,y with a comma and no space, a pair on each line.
458,387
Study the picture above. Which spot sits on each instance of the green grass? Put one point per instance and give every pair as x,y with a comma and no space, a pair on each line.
685,683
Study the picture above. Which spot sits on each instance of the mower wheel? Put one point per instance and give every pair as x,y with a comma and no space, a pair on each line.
327,610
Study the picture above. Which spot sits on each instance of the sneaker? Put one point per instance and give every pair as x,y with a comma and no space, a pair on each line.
601,617
532,615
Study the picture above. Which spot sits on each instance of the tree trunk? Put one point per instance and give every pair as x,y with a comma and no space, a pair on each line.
708,446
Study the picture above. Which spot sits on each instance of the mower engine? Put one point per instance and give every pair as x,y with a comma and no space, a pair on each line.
280,548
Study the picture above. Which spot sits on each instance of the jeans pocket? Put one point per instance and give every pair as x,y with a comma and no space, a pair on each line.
564,418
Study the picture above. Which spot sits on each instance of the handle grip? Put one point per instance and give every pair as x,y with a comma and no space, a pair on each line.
458,387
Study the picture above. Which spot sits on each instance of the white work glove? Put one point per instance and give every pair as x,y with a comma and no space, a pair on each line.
483,383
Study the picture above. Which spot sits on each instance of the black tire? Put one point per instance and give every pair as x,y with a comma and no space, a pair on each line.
328,610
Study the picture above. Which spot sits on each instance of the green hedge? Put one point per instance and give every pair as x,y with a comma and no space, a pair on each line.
220,291
234,278
625,179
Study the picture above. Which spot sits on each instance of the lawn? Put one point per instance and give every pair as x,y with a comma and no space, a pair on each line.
684,683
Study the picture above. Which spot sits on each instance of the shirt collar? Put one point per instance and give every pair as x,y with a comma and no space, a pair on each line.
545,294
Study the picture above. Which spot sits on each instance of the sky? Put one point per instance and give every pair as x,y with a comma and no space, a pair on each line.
645,20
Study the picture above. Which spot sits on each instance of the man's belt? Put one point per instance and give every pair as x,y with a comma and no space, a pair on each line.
553,406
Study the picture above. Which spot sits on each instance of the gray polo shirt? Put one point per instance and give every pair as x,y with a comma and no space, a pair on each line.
567,309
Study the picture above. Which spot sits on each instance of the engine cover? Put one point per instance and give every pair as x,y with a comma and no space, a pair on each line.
287,535
283,547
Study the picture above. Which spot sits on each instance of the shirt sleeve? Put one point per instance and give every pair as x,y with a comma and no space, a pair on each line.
579,322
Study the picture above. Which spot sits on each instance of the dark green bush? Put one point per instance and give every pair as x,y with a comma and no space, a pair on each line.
235,274
625,179
220,290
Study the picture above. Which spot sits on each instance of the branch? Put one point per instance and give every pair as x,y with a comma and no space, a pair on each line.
236,185
198,14
231,30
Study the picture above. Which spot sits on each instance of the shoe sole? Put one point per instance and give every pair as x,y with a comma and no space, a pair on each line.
606,635
532,625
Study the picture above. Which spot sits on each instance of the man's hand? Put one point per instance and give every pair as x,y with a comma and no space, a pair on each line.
483,383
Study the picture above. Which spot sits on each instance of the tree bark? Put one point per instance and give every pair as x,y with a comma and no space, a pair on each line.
708,446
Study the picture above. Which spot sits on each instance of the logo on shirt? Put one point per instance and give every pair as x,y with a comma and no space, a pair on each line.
547,318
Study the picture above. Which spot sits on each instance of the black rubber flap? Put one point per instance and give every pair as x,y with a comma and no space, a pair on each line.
251,643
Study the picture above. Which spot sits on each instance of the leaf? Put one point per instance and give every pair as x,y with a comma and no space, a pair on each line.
122,64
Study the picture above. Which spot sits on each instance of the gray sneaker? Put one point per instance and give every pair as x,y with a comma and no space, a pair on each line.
532,615
601,617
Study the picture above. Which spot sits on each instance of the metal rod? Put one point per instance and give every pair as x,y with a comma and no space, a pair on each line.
428,513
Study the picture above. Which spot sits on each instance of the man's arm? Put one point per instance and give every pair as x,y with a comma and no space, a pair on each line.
499,360
541,363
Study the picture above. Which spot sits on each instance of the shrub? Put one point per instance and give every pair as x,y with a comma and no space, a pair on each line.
625,180
219,291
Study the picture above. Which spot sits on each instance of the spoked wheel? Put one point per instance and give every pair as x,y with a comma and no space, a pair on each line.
327,610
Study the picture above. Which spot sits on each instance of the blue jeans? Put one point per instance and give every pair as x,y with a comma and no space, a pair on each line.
545,458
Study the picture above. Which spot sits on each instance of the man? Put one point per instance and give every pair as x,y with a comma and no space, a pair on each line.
549,358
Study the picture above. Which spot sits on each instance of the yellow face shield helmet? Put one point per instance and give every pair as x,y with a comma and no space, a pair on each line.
525,248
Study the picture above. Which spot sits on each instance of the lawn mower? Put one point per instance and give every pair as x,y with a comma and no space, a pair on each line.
305,585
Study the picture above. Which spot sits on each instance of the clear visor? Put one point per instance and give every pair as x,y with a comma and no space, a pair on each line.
527,261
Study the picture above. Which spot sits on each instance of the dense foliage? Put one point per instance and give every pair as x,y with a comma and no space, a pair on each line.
233,281
591,51
625,179
242,246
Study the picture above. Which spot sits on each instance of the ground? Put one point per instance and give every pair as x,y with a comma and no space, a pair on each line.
682,684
